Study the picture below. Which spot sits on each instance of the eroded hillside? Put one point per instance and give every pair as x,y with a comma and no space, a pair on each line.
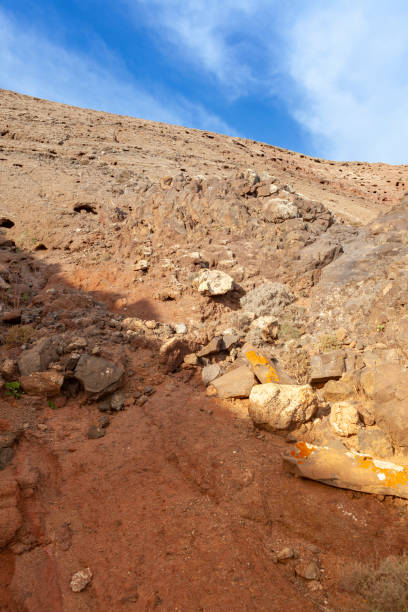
178,309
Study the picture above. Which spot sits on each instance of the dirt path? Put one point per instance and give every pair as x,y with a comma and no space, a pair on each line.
181,506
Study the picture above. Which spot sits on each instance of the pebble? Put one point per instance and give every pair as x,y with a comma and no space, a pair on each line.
80,580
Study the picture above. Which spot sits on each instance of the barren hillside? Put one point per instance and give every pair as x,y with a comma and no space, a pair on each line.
186,319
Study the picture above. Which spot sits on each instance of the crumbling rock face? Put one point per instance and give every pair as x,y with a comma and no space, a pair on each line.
267,299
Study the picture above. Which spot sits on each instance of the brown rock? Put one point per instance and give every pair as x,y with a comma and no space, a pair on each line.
236,383
42,383
278,407
326,366
99,376
173,351
308,570
13,317
80,580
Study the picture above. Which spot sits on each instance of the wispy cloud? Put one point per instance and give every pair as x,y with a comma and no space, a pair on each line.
339,66
217,37
348,61
33,65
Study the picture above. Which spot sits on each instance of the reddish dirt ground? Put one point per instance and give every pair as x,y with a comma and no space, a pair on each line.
183,505
180,507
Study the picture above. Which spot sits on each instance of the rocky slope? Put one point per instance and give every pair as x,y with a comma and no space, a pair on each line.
177,306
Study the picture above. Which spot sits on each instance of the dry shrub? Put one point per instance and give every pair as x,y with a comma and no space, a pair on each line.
384,588
18,334
297,363
328,342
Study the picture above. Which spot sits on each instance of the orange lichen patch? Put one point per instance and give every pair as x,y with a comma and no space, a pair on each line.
388,476
259,360
302,450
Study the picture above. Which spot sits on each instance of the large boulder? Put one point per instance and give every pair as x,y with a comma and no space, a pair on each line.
38,357
267,300
214,282
340,467
98,376
236,383
281,407
385,390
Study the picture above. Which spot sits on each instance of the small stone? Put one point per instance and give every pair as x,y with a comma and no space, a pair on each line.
314,586
95,432
80,580
214,346
9,369
344,419
149,390
104,421
214,282
180,328
104,405
141,265
191,359
308,570
210,372
285,553
142,400
151,324
117,401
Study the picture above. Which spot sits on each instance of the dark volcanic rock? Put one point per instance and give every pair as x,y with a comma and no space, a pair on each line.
99,376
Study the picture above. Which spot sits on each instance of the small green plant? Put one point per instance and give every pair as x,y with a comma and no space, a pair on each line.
26,298
329,342
13,389
380,327
51,405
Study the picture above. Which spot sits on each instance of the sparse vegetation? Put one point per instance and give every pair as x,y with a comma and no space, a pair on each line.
297,364
18,334
13,389
329,342
288,331
384,588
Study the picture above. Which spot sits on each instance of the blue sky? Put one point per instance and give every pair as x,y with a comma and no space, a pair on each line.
322,77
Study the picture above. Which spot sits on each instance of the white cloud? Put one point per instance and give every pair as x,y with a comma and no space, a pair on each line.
31,64
218,37
349,64
339,66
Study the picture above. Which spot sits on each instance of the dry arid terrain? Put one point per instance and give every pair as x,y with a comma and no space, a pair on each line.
180,311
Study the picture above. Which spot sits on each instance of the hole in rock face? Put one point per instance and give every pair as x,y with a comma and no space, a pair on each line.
89,208
4,222
40,247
